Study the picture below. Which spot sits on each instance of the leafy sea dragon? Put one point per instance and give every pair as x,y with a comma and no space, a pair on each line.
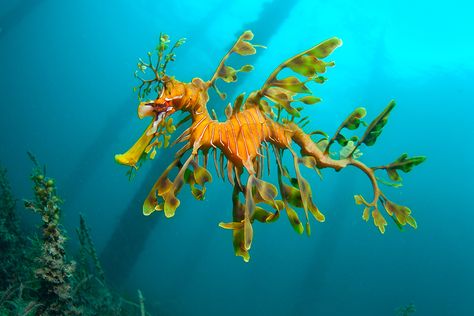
266,120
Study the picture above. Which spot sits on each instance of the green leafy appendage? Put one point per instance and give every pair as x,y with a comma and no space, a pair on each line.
158,67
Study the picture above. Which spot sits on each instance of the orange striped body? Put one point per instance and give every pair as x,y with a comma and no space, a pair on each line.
241,136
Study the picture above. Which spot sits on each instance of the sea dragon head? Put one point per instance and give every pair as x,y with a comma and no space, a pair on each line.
167,101
164,105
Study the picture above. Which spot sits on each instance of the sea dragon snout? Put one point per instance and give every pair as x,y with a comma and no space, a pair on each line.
159,111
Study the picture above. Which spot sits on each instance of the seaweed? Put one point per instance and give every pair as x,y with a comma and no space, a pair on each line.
88,252
55,270
38,275
12,241
406,310
91,291
17,301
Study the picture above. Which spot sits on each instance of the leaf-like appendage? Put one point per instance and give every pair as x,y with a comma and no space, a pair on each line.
291,195
202,175
366,214
375,128
246,68
158,68
266,190
389,183
353,121
238,242
228,74
159,189
359,200
266,108
299,194
241,47
341,140
273,217
320,79
308,161
248,234
292,84
294,220
279,95
349,150
238,103
231,225
261,215
282,98
150,203
305,65
309,99
199,194
171,203
189,176
393,174
406,164
247,35
400,213
379,220
228,111
133,156
244,48
316,212
308,229
325,48
169,126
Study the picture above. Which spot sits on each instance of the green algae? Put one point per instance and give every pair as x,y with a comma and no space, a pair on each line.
39,276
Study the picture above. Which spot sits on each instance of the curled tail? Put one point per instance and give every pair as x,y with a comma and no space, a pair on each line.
320,152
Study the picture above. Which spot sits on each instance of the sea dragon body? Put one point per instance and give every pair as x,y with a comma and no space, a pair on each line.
245,139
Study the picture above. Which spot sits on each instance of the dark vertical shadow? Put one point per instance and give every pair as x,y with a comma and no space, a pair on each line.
10,19
132,231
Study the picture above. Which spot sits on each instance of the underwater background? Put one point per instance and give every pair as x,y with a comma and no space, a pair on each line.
66,78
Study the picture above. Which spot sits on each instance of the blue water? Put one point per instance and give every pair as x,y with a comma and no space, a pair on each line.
66,94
